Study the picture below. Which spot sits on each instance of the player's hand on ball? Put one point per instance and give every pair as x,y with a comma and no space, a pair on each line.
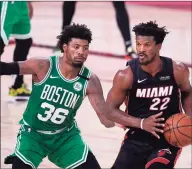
152,124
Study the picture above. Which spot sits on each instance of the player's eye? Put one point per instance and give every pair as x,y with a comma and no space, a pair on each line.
86,48
76,47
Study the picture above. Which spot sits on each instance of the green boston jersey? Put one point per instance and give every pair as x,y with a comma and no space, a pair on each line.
55,100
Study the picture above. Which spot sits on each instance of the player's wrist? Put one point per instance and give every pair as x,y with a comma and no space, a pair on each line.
141,123
9,68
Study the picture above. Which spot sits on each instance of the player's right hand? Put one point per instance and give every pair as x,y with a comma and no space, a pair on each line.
152,124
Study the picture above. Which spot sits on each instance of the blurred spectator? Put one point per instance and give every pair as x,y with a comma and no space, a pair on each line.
122,19
15,17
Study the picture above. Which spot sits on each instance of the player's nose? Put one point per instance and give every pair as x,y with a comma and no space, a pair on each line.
141,49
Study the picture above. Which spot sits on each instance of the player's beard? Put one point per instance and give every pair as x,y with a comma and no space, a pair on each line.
74,63
77,65
148,61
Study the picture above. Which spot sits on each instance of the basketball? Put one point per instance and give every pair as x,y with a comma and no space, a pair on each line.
178,130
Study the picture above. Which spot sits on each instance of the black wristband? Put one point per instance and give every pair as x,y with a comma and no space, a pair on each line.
9,68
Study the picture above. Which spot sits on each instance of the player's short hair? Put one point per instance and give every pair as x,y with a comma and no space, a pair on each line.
79,31
151,29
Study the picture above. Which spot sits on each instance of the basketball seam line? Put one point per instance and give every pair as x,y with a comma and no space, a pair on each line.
177,127
174,132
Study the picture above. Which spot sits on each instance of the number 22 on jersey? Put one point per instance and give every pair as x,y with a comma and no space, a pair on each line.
159,104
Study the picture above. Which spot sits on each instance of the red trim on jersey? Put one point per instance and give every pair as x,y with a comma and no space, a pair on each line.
178,155
125,137
157,159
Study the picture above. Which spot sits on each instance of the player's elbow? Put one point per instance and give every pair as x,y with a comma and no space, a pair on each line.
108,123
105,121
109,114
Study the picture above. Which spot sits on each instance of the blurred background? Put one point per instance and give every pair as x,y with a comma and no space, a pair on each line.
107,55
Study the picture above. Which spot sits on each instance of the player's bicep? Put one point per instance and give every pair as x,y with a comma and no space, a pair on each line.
116,96
185,86
27,67
182,77
119,91
182,74
33,66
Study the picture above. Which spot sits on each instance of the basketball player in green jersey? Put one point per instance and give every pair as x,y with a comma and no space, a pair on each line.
15,22
60,84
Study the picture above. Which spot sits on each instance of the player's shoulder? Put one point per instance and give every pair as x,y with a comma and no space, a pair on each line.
93,77
124,77
180,71
180,67
94,84
124,72
94,80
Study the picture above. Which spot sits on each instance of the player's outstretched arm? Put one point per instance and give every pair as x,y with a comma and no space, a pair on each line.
182,75
30,66
122,83
96,98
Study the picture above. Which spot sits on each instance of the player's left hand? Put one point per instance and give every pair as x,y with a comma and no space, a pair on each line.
30,7
152,124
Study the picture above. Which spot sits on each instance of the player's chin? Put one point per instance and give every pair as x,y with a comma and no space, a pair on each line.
144,61
78,64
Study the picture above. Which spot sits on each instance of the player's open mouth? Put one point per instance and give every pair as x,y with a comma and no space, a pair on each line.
142,56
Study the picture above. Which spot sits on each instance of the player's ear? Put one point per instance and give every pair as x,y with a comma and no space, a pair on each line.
64,47
159,46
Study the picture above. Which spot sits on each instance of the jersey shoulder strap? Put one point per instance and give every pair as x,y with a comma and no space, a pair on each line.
85,73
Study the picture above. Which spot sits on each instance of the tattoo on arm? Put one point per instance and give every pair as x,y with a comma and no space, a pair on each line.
40,66
95,95
34,66
96,98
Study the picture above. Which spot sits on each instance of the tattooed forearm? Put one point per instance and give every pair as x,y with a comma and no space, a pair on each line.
95,94
96,98
99,103
40,66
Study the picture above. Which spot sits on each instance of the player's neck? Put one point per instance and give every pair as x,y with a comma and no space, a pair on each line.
67,70
154,67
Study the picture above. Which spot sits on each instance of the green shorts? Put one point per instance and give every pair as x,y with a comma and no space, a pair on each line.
65,149
15,20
